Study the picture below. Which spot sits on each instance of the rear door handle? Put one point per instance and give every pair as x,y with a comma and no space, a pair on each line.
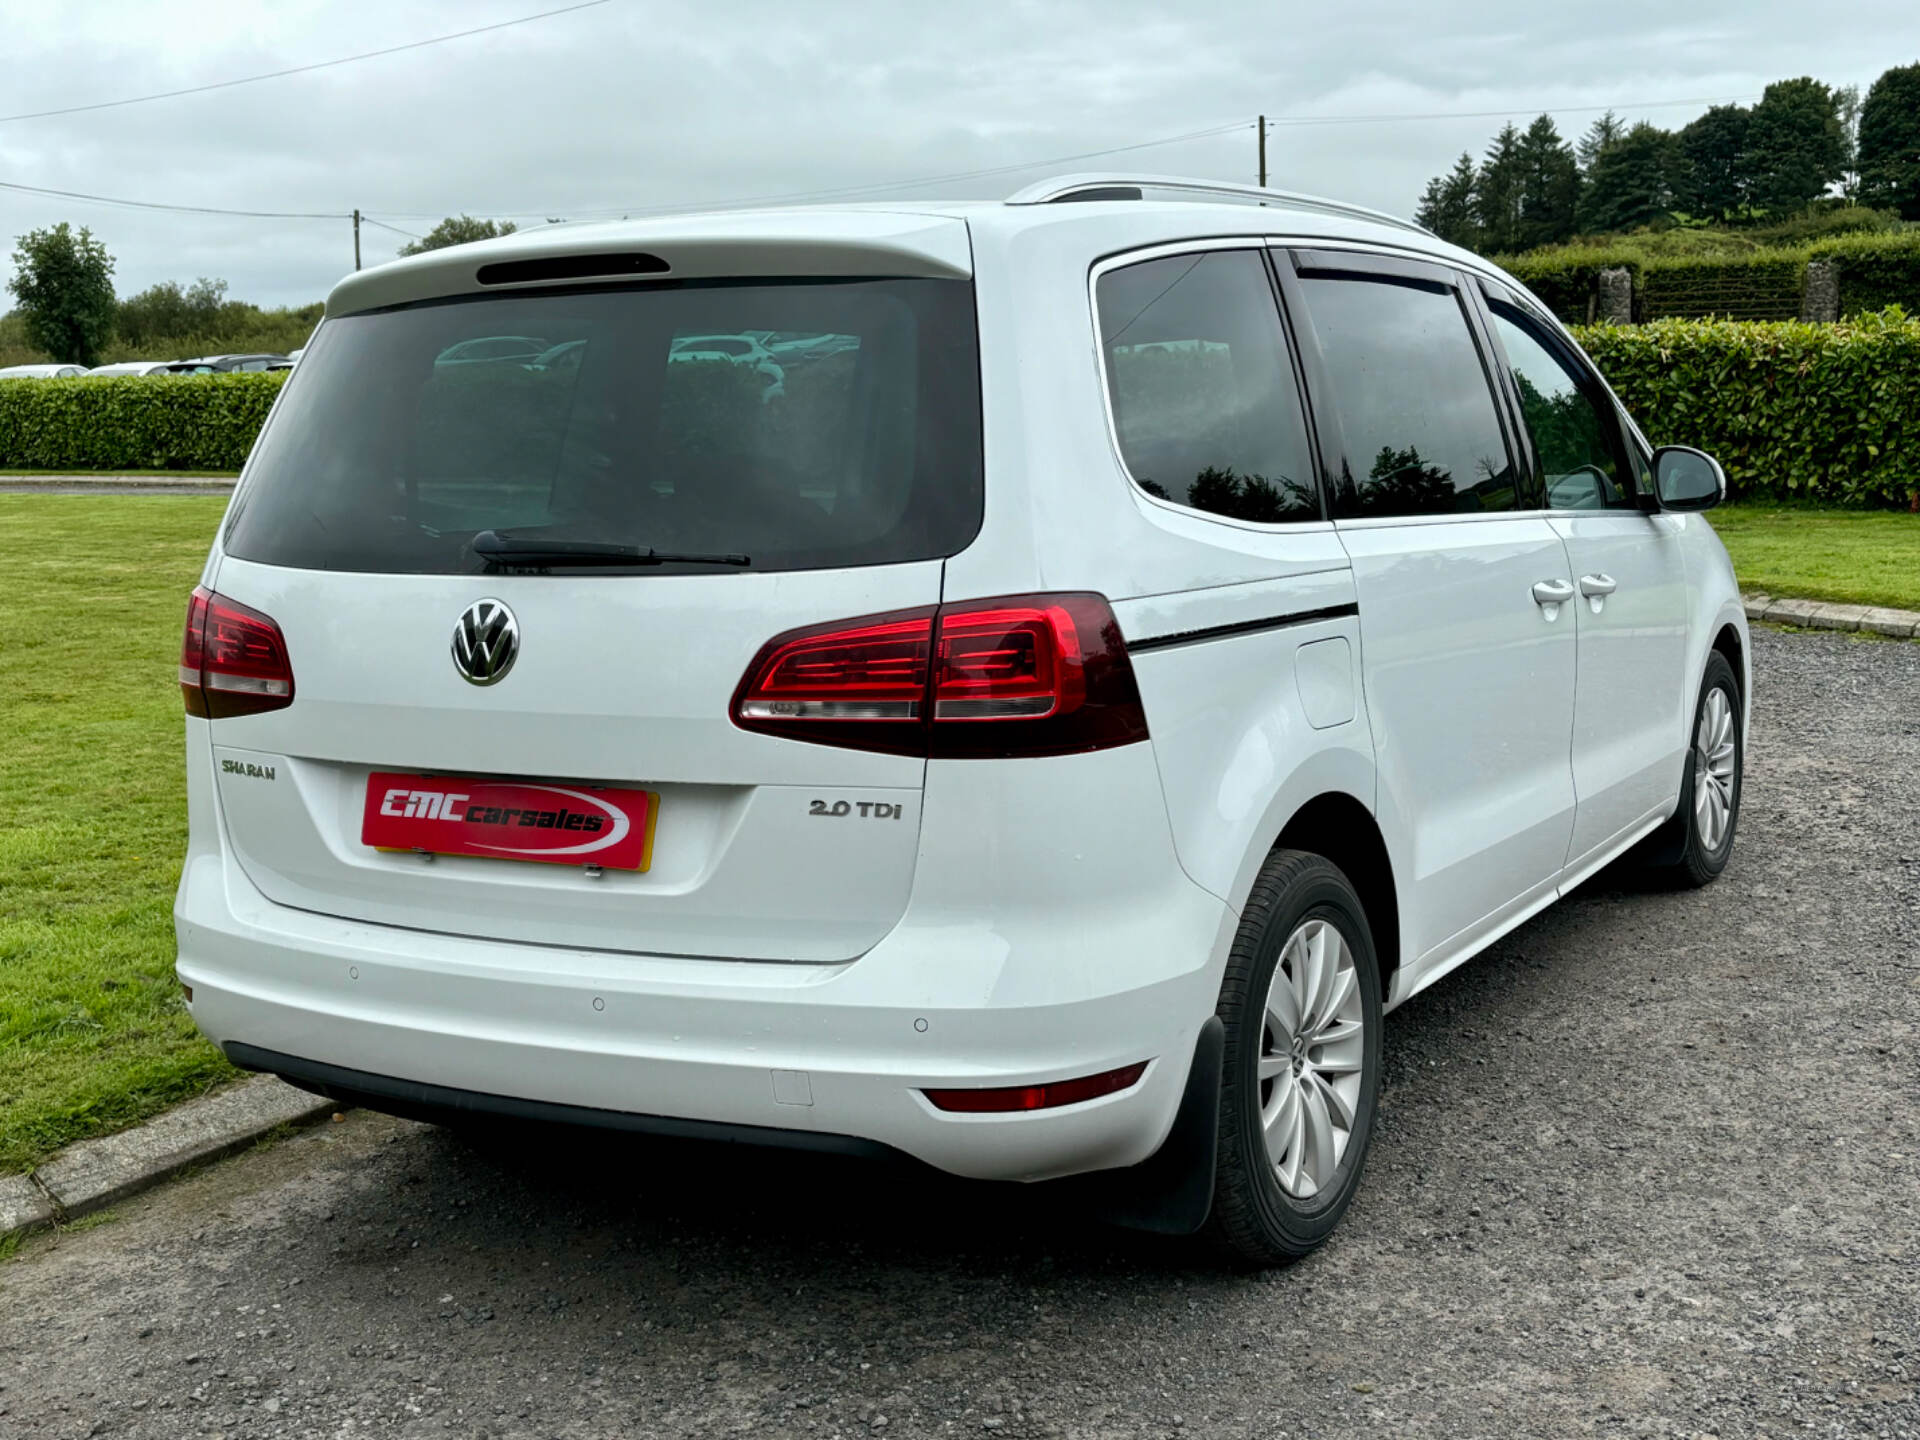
1591,585
1550,594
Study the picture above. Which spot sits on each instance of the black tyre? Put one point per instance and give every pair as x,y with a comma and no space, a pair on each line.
1301,1007
1693,847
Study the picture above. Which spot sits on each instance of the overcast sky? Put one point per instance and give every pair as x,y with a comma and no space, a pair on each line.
638,104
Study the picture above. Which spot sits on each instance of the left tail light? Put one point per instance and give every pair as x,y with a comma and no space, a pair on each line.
1015,676
233,659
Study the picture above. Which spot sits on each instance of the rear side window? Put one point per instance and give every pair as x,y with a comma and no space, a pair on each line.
803,424
1422,434
1205,403
1568,417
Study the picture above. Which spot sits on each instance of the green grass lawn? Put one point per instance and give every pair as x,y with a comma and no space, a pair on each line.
92,815
1862,557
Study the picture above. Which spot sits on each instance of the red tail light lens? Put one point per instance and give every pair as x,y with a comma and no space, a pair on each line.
1037,1097
857,683
233,659
1019,675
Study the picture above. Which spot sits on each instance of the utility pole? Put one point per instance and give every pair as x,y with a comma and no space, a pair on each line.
1263,152
356,215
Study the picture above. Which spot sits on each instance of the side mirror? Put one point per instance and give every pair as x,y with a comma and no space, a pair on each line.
1687,479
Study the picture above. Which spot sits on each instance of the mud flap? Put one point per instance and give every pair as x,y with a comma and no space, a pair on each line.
1170,1192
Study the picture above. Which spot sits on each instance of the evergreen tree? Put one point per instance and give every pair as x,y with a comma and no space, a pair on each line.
1607,130
1796,146
1549,186
1446,206
1427,212
1712,182
1497,192
1630,182
1890,142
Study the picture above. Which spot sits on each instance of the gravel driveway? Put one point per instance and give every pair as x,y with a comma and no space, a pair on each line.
1651,1166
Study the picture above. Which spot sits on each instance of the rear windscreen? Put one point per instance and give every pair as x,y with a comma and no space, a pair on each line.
802,424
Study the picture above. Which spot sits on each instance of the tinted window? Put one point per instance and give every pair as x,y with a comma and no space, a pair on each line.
1422,434
587,415
1569,419
1203,392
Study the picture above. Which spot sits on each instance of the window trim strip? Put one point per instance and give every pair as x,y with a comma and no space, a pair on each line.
1242,627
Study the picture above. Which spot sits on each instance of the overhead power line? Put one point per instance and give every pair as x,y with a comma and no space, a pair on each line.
847,192
300,69
178,209
368,219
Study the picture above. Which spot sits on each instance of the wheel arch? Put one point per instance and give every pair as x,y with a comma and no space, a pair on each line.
1337,826
1730,643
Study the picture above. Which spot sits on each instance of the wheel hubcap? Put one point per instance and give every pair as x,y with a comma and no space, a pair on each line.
1713,771
1311,1054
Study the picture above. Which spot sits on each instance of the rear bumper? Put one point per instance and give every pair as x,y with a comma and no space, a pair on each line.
956,995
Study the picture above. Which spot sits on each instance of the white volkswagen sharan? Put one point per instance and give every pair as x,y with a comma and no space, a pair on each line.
1026,685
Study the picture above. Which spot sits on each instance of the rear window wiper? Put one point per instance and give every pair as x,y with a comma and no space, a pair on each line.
495,548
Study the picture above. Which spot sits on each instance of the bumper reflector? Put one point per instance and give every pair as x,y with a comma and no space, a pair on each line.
1037,1097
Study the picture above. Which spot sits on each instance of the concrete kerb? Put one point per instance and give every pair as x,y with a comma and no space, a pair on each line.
96,1173
1821,615
116,484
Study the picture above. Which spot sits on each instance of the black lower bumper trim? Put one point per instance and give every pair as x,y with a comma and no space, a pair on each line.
438,1104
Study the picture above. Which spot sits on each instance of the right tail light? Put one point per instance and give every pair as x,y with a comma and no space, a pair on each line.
1013,676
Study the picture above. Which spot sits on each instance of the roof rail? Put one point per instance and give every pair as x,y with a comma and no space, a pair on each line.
1067,188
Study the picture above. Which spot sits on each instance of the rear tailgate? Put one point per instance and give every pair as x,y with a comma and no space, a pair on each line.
773,492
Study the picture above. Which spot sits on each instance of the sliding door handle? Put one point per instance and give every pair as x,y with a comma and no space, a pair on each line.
1591,585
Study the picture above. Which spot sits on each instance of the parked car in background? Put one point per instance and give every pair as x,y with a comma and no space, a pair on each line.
747,350
227,364
791,350
493,349
123,368
42,372
1189,621
565,356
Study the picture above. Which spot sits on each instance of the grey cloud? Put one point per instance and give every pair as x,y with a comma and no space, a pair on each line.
652,104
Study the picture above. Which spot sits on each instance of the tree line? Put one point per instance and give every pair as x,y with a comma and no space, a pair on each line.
1735,164
67,308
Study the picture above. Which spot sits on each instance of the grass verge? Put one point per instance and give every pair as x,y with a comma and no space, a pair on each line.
93,1036
1856,557
125,474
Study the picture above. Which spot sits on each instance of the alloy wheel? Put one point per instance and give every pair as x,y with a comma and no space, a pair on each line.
1311,1054
1713,771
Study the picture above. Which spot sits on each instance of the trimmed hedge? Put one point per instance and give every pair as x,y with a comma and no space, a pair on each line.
1808,412
1765,285
1567,282
173,422
1876,271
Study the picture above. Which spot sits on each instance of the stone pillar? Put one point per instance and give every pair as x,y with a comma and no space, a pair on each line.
1820,302
1616,296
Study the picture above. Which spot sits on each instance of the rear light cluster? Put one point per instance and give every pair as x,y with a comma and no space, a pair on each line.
233,660
1037,1097
1018,675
